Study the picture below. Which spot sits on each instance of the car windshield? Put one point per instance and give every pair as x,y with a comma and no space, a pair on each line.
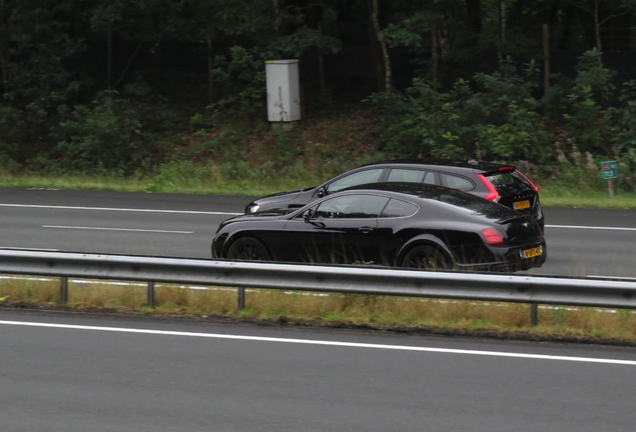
509,183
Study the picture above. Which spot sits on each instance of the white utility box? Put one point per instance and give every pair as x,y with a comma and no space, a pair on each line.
283,91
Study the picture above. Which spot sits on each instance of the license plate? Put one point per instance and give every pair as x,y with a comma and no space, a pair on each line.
529,253
520,205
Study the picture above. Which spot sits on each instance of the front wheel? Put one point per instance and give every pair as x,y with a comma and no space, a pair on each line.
248,249
426,257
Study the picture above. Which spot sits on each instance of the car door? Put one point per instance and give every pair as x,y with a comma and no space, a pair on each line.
338,230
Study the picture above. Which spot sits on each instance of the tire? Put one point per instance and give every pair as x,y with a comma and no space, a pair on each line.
426,257
248,249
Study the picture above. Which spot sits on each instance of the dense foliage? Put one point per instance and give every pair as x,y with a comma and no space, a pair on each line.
121,86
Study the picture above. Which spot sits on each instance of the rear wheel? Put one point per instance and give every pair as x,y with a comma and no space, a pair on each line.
248,249
426,257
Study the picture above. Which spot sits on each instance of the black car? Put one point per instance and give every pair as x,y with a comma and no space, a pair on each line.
503,184
393,224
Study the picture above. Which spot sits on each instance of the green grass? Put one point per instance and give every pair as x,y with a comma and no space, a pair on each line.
387,313
550,195
566,197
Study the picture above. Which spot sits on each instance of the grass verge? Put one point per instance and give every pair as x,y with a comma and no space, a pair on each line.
387,313
551,195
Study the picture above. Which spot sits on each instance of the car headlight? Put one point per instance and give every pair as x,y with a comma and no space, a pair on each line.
254,208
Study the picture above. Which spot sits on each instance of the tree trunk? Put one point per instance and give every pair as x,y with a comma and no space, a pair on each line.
502,33
321,66
128,63
546,59
109,55
386,60
434,54
473,9
210,52
4,43
597,33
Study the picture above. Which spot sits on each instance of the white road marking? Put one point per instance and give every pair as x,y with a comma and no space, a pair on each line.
30,249
116,229
591,227
120,209
612,277
325,343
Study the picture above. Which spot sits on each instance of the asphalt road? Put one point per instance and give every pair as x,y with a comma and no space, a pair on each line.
581,242
78,373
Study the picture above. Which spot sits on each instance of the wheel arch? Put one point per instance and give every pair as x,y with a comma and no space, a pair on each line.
234,237
429,240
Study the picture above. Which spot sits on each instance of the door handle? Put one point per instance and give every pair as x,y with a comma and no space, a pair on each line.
365,230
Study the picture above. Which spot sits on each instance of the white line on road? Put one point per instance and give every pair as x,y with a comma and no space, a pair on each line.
236,214
116,229
119,209
30,249
327,343
591,227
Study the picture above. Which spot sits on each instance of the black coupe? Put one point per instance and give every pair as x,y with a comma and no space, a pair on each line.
392,224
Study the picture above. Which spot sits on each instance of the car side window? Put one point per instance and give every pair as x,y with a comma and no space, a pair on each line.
429,178
398,208
351,207
406,175
457,182
355,179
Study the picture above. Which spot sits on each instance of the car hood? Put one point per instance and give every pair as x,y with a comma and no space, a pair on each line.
281,196
258,216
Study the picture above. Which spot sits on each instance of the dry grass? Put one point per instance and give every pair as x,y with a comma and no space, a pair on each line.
382,312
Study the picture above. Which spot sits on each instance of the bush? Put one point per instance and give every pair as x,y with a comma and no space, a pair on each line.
104,136
494,117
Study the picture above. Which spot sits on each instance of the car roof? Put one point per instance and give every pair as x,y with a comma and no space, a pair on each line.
474,165
419,190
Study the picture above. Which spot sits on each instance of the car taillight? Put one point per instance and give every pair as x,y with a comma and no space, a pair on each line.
492,195
494,237
536,188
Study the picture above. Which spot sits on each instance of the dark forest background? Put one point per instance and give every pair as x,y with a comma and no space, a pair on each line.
121,86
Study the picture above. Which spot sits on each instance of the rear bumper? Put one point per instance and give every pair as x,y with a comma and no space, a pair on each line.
509,259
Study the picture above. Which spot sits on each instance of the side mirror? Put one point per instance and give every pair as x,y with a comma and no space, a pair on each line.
322,192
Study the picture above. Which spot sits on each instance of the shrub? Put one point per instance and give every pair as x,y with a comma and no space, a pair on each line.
104,136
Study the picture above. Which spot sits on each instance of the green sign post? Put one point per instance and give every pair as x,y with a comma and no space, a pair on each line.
609,172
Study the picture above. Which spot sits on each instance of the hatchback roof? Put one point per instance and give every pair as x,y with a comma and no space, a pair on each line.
470,164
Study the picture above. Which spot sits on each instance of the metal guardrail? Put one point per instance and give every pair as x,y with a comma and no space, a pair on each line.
533,290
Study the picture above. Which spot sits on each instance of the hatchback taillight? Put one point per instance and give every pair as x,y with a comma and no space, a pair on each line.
492,195
536,188
494,237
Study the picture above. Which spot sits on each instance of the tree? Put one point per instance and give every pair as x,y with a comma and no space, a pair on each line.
603,11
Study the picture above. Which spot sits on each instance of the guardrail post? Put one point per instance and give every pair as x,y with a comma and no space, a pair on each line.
64,290
151,294
241,299
534,314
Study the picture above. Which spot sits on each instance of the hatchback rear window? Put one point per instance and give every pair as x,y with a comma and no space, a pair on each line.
509,183
465,201
456,182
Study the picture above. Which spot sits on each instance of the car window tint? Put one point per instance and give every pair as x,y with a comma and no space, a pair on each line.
351,207
406,175
398,208
457,182
355,179
509,183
